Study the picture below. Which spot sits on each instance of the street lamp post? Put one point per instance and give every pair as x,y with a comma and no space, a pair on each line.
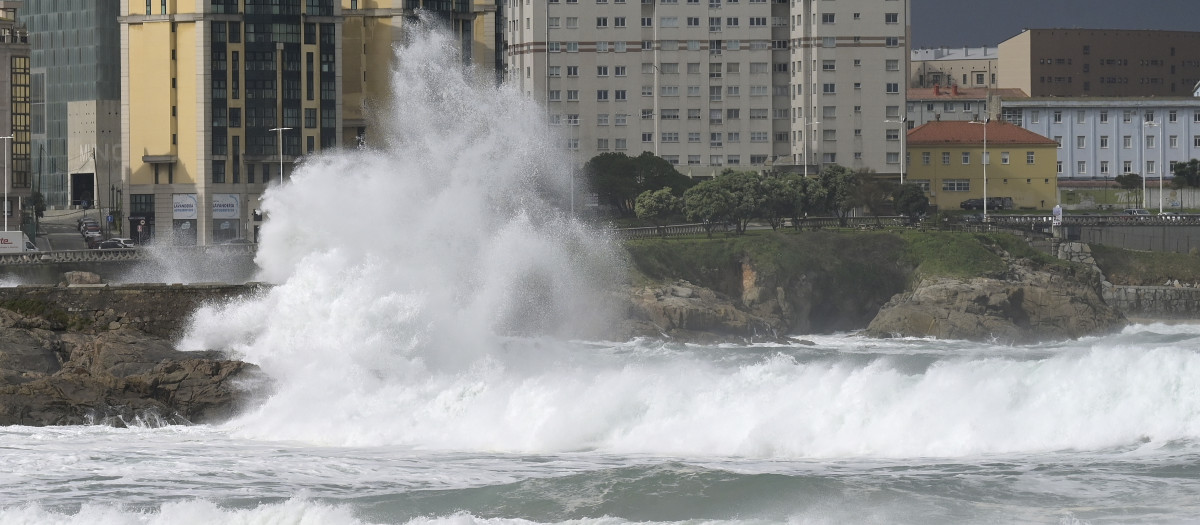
7,147
1149,124
984,161
280,132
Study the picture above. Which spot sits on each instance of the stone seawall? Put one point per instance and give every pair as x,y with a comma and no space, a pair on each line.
1155,302
157,309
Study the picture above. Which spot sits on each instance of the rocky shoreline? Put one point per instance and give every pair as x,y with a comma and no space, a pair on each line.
61,370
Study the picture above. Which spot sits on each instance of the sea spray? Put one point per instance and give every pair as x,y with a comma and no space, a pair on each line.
424,283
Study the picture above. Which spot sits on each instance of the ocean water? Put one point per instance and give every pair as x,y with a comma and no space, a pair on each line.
438,344
849,430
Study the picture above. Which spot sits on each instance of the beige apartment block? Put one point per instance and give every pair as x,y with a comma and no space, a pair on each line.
1100,62
717,84
221,98
965,67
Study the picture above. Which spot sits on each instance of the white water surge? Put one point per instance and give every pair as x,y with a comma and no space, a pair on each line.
435,338
404,271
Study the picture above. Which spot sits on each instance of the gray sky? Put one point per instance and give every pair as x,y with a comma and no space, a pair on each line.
957,23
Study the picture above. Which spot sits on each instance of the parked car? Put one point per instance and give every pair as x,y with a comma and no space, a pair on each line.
112,244
994,203
125,242
90,229
1136,214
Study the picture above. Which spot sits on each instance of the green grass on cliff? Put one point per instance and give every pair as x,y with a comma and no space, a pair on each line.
716,262
847,256
1137,268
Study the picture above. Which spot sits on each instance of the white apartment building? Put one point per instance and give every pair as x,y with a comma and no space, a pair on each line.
1104,137
710,84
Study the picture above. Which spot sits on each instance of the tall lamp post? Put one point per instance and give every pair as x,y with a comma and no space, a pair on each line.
984,161
1149,124
7,147
280,132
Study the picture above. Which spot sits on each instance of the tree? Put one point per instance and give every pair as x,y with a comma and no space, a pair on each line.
38,201
617,179
1187,174
778,200
708,203
800,191
657,206
910,201
1131,182
837,191
745,188
872,193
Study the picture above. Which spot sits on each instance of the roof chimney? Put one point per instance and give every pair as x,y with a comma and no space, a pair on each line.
954,90
937,89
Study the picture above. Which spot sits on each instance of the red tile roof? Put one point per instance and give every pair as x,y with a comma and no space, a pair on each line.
962,132
947,93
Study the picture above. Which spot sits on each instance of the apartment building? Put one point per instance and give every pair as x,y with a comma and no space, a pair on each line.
955,161
1100,63
966,67
746,84
1100,138
371,29
221,98
14,116
934,104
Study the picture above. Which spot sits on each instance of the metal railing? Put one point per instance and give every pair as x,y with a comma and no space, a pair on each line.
134,254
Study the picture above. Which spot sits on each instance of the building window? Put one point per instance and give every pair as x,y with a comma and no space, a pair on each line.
1081,167
1104,167
945,158
956,185
966,157
925,158
1029,157
1003,157
218,171
1080,142
891,18
893,88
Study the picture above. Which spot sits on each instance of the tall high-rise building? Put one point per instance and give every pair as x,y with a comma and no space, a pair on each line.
14,116
75,94
221,98
708,85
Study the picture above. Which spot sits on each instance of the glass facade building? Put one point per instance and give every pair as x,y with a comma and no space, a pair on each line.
75,56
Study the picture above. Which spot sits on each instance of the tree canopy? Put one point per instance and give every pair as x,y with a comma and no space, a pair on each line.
617,179
910,201
657,206
1187,174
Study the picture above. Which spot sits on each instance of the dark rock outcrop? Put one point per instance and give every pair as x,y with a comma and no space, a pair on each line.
49,376
1027,305
684,311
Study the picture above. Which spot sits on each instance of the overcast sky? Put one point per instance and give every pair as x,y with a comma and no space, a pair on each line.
957,23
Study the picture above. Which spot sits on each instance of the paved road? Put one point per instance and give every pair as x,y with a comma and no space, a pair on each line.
60,231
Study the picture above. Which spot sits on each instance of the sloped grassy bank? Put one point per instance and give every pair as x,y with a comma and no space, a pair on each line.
823,281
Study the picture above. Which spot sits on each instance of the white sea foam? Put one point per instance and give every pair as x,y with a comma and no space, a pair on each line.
404,270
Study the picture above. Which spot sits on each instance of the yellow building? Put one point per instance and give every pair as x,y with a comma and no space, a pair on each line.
948,159
211,89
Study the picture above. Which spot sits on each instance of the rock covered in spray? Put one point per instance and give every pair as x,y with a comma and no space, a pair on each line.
52,376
